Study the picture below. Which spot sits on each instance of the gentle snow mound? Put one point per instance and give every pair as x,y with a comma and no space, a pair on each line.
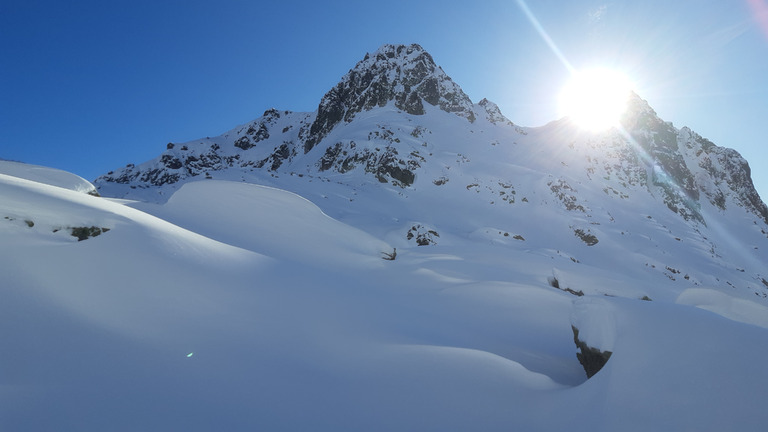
270,221
737,309
45,175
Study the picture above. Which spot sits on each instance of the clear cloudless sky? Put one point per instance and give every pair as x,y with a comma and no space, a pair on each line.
88,86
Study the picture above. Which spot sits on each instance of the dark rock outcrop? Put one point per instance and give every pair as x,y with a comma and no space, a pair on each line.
658,140
385,163
404,74
591,359
422,235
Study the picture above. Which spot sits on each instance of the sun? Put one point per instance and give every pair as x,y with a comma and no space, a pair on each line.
595,99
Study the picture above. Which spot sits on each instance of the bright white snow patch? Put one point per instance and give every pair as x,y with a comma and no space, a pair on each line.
737,309
272,221
50,176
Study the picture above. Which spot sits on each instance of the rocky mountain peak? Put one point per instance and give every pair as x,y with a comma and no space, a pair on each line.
404,74
493,113
686,165
639,114
412,137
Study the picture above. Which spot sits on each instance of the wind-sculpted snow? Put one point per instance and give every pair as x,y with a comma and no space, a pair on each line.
682,355
235,306
737,309
272,221
45,175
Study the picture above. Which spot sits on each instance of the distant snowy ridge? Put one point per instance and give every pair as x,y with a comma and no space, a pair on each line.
50,176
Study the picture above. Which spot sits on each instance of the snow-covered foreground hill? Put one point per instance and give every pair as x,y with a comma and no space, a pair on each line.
233,306
47,176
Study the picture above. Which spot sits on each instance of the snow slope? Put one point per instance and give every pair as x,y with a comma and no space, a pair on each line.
50,176
240,307
542,191
396,149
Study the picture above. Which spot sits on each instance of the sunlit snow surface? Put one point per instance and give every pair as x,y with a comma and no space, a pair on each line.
45,175
241,307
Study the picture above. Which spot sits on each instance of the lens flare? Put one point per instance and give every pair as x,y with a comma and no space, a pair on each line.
595,99
760,13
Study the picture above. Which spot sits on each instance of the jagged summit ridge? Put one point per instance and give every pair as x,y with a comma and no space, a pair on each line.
417,122
404,74
404,77
685,165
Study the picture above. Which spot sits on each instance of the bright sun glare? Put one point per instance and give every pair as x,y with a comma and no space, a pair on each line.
595,99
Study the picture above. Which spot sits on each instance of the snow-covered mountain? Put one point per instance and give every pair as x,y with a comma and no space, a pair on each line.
237,282
398,143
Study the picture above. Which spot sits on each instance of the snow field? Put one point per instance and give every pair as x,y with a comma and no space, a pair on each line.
296,323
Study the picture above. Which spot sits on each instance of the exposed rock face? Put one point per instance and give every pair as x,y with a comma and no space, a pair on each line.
674,155
406,75
725,169
422,235
591,359
285,152
258,131
658,140
172,166
84,233
385,163
493,113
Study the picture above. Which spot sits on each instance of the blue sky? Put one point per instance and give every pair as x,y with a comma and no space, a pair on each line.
88,86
